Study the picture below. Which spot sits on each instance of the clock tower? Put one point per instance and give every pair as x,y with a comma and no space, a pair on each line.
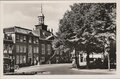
41,17
41,25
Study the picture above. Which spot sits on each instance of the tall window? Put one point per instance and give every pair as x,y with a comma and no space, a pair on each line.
21,38
17,38
24,49
9,48
24,38
34,40
5,48
81,57
21,59
17,48
21,48
43,48
17,59
30,51
37,41
36,49
49,49
24,59
30,39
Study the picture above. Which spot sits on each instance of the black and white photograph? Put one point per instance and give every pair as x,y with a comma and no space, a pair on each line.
58,38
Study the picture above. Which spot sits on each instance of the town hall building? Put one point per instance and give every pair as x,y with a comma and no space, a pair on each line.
28,47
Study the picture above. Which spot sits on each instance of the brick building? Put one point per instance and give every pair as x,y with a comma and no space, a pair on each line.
28,47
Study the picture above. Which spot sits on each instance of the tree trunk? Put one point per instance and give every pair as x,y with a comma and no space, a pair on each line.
88,61
108,62
76,59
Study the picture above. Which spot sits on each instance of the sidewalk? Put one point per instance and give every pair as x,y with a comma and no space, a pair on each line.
97,71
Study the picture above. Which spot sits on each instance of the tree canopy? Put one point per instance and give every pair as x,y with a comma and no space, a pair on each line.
88,27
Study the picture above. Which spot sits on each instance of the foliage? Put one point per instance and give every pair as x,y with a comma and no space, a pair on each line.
86,23
88,27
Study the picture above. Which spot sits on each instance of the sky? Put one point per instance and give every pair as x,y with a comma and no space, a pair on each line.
24,14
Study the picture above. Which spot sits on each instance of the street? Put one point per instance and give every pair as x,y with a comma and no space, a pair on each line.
62,69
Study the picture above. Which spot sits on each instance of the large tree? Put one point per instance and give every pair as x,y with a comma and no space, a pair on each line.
88,27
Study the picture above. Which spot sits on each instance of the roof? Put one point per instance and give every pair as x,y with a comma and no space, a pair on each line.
50,37
22,30
16,29
36,33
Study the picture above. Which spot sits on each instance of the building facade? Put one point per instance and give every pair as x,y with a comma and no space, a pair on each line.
32,47
28,47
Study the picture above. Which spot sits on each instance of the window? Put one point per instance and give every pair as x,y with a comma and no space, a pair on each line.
17,59
21,59
37,49
17,48
81,57
42,59
30,39
24,49
17,38
21,38
5,50
21,48
49,49
34,40
37,41
10,49
34,50
30,51
24,59
9,36
24,38
43,48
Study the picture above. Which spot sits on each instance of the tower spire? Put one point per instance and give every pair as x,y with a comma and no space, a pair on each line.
41,16
41,8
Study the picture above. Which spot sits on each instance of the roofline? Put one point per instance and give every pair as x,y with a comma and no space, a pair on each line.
17,27
22,28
